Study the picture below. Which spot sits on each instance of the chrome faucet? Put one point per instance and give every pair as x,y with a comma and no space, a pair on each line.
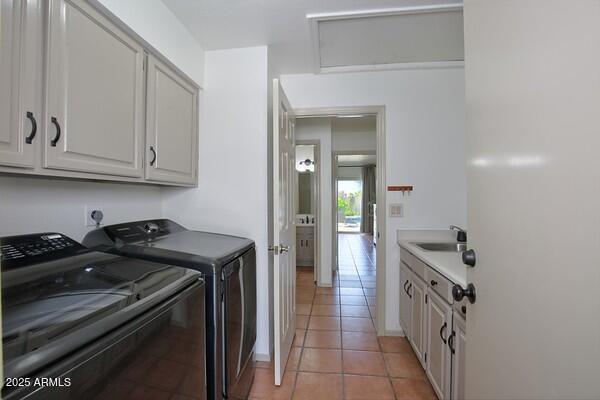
461,234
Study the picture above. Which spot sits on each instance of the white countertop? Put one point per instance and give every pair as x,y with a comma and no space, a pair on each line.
446,263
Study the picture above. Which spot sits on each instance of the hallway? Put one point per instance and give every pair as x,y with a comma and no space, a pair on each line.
336,353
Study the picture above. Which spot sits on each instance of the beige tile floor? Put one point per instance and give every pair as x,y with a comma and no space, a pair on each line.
336,353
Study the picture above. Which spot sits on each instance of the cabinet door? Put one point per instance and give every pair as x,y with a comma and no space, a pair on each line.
94,121
171,126
439,326
405,301
300,252
458,342
310,249
16,115
418,314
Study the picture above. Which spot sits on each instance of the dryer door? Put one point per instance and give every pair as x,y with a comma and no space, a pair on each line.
239,324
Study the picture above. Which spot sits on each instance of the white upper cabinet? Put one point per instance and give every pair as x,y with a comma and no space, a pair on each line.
18,116
171,126
83,96
94,118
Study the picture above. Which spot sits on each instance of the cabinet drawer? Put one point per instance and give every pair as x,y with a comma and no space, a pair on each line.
416,265
440,285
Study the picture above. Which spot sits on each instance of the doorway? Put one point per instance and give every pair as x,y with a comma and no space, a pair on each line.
308,218
349,199
366,258
355,188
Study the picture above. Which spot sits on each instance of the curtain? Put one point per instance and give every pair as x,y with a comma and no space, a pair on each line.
368,198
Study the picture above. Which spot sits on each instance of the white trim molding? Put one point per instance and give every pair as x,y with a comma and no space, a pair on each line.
382,12
315,18
393,67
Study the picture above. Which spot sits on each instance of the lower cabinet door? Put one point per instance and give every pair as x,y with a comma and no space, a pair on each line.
439,327
458,346
418,321
405,301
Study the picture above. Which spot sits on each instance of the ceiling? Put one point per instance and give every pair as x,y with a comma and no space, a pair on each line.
356,160
281,24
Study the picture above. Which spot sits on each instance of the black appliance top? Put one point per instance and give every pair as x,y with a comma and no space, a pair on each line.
166,241
58,296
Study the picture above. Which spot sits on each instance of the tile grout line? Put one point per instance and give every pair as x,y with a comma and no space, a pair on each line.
312,304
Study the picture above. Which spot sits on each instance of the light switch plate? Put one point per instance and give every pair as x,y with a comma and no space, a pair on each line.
397,210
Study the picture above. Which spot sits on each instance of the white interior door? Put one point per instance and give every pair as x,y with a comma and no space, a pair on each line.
532,73
284,237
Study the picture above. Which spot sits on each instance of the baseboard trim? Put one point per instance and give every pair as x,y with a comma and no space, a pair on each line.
262,357
319,284
394,332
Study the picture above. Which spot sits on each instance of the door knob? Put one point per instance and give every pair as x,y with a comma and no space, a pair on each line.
283,249
458,293
468,257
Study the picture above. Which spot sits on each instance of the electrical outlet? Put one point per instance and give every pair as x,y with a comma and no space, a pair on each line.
397,210
88,214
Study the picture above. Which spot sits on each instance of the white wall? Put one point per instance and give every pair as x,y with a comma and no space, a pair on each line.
155,23
425,123
354,134
29,205
231,196
320,129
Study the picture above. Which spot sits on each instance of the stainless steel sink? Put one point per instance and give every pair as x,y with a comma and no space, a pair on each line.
453,247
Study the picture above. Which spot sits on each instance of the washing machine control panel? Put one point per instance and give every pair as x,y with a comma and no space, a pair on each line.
35,248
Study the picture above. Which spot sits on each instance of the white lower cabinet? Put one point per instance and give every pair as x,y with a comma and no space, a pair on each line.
436,332
458,342
418,317
405,301
439,325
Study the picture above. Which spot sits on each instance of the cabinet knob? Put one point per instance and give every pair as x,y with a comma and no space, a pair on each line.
458,293
469,258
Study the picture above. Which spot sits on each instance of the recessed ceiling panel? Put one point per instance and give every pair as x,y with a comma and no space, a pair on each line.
392,39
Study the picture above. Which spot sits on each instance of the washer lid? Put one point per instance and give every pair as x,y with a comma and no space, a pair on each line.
52,308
